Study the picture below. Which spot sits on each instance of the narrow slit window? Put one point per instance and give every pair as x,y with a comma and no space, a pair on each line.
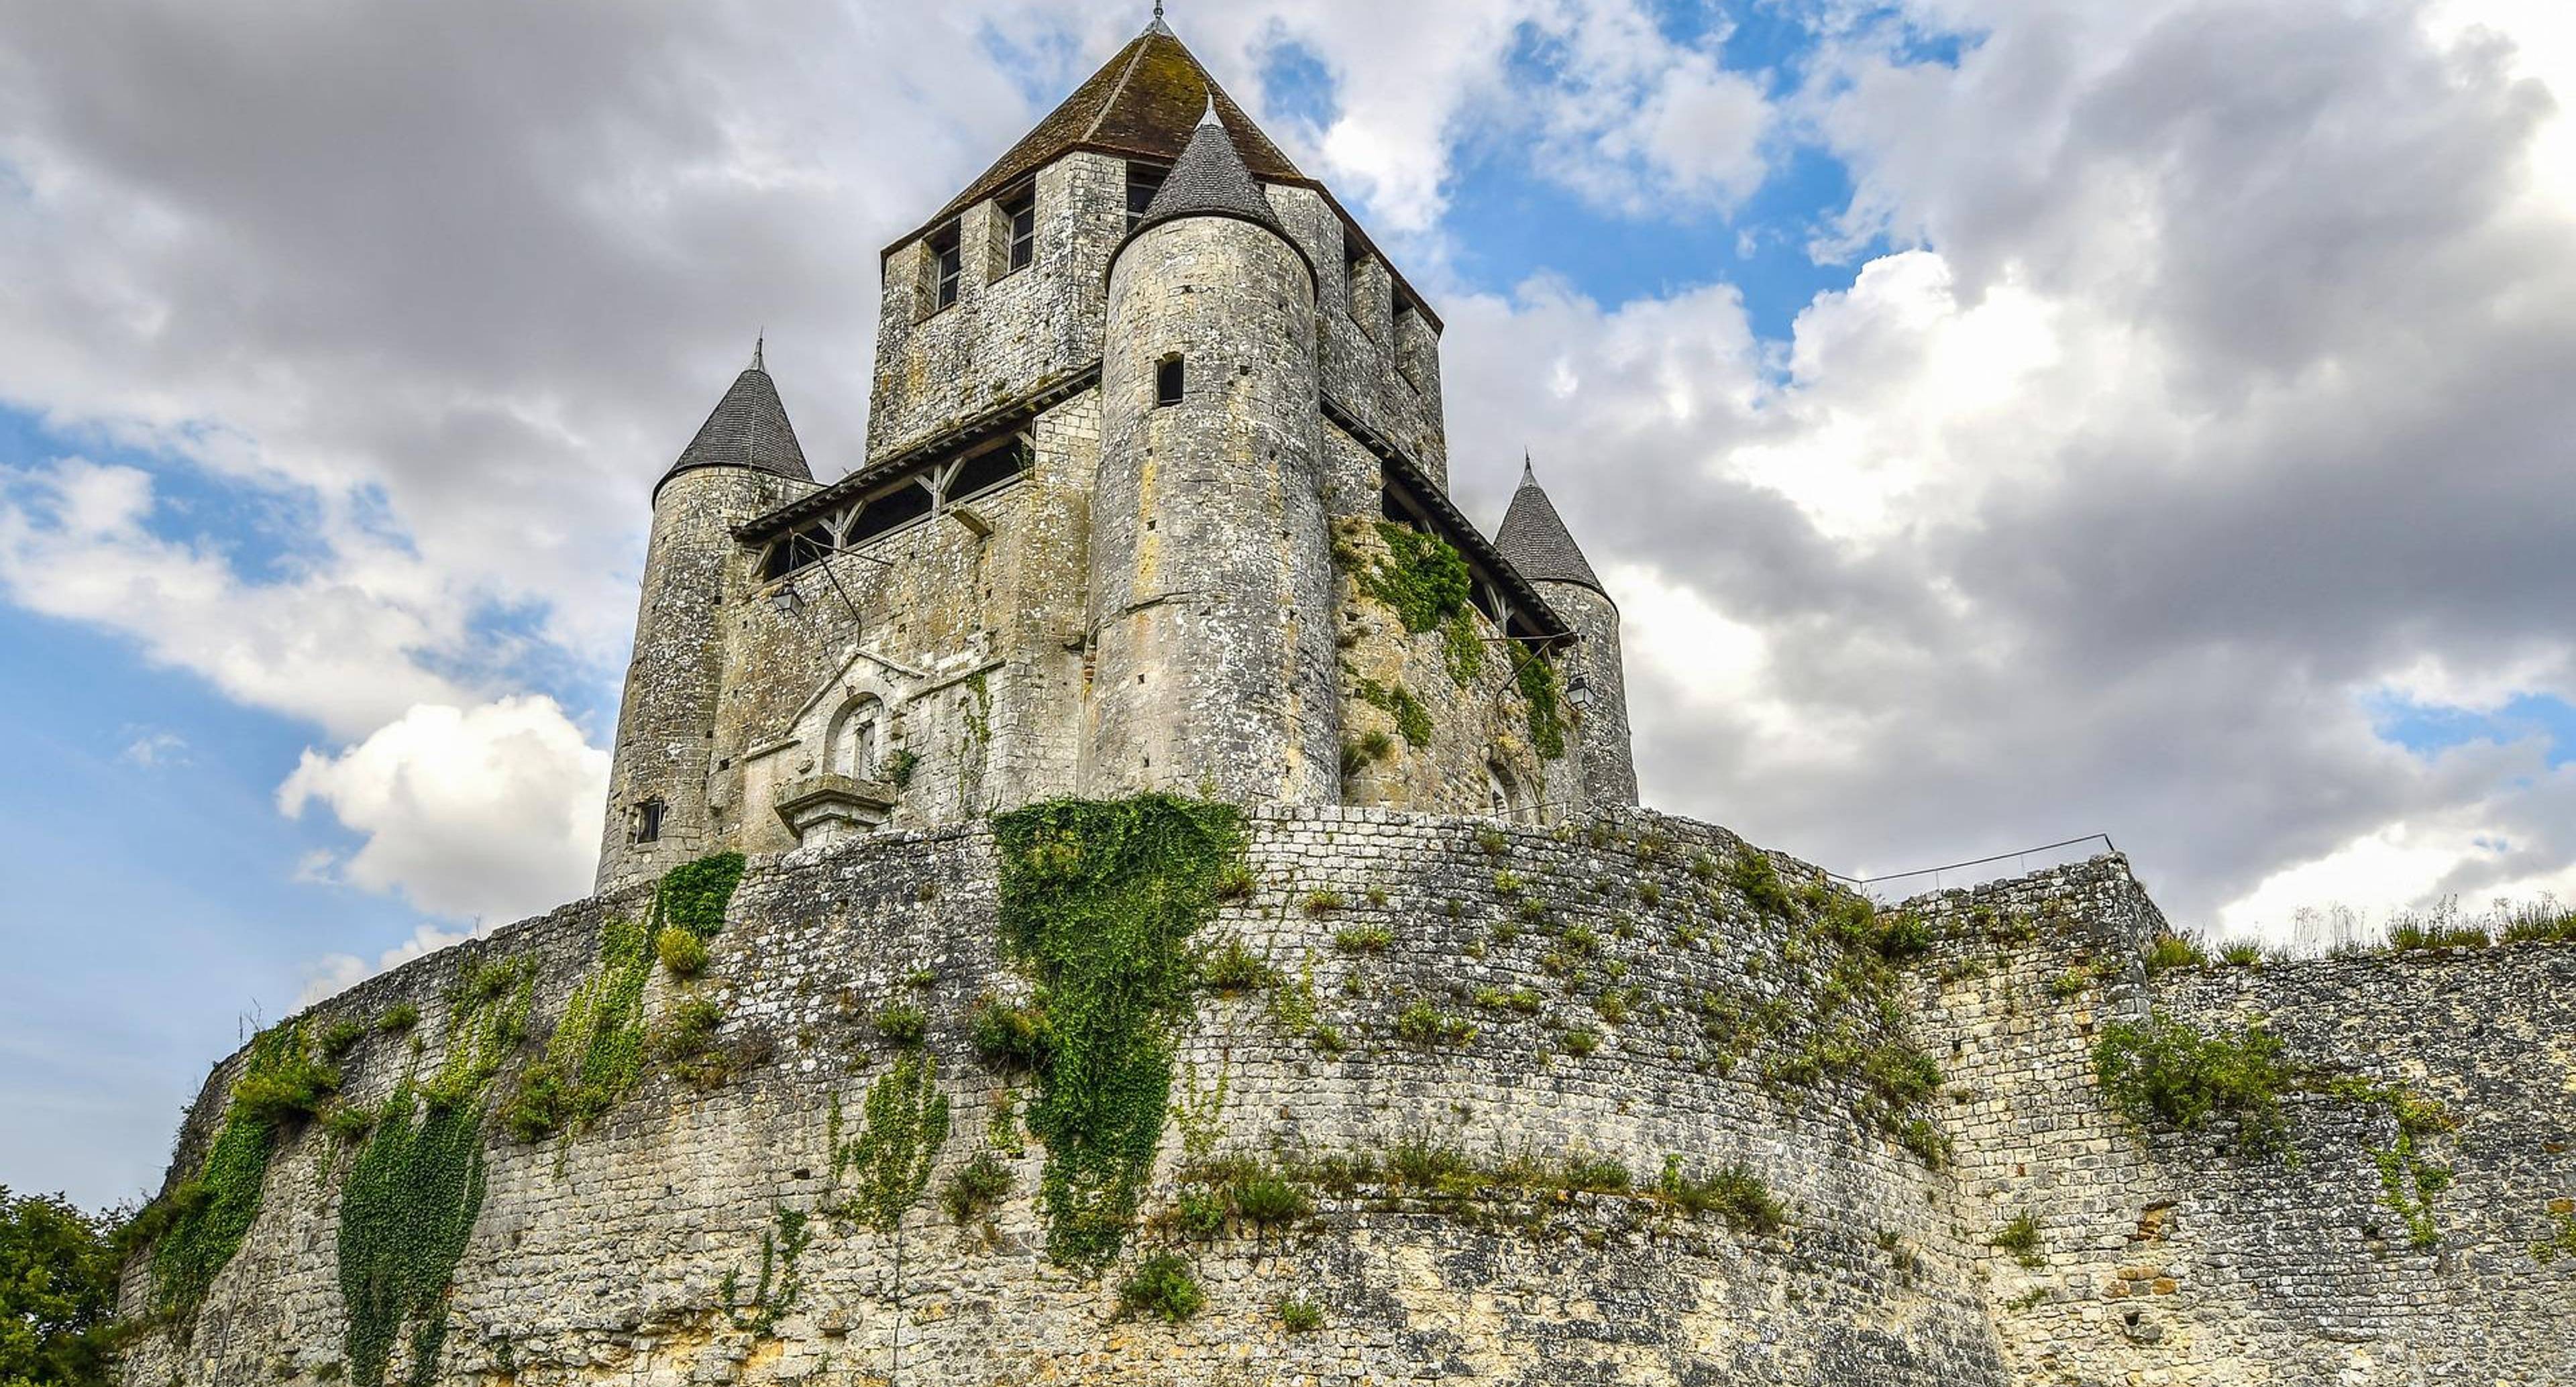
1020,212
947,268
1167,381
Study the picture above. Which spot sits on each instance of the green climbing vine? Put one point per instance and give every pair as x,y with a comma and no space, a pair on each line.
405,1216
1411,718
1427,583
695,895
1099,900
904,1125
202,1221
412,1195
597,1052
1540,688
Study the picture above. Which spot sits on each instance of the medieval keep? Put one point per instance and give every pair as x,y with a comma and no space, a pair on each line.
1148,404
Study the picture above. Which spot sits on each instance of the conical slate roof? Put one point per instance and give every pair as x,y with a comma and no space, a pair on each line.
1210,180
1534,538
1144,104
749,428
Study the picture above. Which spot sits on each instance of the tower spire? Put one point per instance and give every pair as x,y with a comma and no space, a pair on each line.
757,343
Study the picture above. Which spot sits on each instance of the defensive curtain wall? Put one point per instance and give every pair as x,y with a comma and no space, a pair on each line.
1144,1093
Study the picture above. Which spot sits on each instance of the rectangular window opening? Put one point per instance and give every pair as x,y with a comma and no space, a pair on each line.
947,268
1143,181
647,822
1020,214
1167,381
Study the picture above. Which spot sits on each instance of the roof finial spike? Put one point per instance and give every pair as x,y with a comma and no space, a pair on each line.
1158,26
757,344
1210,117
1529,473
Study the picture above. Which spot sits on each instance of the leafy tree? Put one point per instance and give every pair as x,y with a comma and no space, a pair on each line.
57,1292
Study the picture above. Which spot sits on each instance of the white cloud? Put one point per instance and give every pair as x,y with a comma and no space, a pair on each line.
154,748
486,813
2214,395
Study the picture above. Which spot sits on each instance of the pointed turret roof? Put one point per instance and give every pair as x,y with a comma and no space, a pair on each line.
1144,104
1210,180
1534,538
748,428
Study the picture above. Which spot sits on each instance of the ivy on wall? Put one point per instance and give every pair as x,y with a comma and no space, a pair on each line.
596,1054
405,1216
1099,900
200,1224
1425,581
905,1125
1539,686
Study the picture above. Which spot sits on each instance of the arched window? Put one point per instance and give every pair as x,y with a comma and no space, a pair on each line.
855,736
1501,800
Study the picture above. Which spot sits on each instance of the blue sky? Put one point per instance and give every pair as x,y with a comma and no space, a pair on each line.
1891,362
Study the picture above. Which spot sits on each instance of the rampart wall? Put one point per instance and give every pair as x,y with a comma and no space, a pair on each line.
1525,1010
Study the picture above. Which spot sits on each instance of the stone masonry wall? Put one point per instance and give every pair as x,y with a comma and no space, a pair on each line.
1633,990
2168,1257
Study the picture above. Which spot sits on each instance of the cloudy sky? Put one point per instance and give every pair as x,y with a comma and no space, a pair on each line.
2000,420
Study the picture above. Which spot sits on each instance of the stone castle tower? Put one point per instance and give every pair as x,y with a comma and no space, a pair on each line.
1151,414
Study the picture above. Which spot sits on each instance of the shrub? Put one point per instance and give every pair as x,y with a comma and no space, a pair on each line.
1300,1316
2070,984
1161,1286
2163,1071
1751,873
1236,969
1322,902
977,1186
1597,1175
2175,951
1581,1041
1363,939
537,1110
1492,841
1427,1164
340,1037
349,1125
1235,882
399,1017
1421,1023
2021,1238
684,953
2244,953
1008,1037
691,1032
289,1090
1735,1194
1269,1201
902,1023
2410,934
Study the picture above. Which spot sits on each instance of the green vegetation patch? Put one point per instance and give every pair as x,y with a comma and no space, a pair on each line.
597,1052
694,896
1099,900
1541,688
405,1216
200,1224
2163,1071
905,1125
1412,719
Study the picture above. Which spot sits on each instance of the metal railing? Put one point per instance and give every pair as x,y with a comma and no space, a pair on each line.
2020,859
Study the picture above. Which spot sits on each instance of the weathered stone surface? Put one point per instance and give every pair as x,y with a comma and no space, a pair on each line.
605,1257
